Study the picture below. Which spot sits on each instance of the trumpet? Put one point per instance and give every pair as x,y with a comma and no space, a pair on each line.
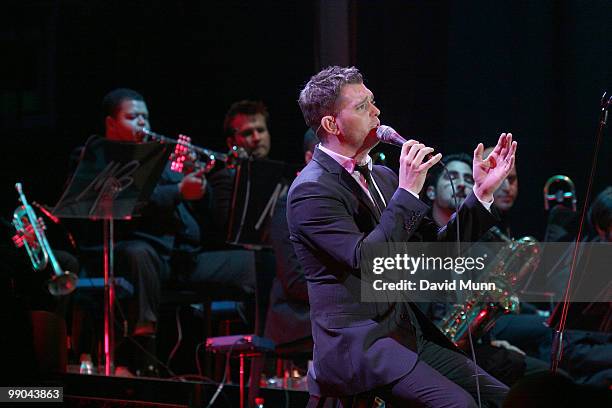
564,190
187,156
31,235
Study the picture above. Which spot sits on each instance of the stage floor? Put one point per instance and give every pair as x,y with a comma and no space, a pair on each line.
101,391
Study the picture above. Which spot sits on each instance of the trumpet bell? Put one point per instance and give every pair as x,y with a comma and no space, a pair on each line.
31,234
60,285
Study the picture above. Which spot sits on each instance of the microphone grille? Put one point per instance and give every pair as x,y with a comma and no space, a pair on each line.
384,133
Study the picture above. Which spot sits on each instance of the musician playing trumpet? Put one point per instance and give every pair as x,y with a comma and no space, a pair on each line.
167,244
124,123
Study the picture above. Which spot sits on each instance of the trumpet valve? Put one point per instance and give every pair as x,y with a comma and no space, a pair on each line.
18,239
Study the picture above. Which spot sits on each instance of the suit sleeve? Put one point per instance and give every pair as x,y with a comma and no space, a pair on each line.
165,196
318,218
474,221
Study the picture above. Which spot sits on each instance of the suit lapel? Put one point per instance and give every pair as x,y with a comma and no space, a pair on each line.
351,184
346,180
382,180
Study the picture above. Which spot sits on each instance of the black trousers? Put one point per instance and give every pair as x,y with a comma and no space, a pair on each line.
445,378
441,378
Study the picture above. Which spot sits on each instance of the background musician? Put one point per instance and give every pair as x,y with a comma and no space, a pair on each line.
166,246
497,356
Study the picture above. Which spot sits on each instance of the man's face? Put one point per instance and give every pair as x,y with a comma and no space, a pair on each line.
357,117
131,117
461,175
507,192
251,133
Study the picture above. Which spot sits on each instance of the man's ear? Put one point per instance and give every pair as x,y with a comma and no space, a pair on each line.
328,123
431,193
109,126
307,156
230,142
600,233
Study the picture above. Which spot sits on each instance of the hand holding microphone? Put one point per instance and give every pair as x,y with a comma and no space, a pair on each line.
415,159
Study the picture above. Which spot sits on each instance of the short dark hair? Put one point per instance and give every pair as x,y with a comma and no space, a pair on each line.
318,97
310,140
434,173
600,212
111,103
243,107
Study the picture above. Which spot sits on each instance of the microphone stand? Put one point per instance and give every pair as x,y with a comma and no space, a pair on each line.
109,298
557,345
109,191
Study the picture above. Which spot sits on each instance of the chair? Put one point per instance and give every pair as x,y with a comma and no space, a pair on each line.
209,304
364,400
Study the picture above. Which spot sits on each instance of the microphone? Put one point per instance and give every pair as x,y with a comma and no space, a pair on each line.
387,134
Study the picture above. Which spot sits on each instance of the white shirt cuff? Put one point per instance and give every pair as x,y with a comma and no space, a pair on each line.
414,194
485,204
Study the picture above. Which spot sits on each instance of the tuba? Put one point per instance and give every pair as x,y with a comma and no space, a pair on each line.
512,265
31,235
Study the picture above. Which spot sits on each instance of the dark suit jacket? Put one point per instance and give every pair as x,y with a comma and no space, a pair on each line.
171,223
360,346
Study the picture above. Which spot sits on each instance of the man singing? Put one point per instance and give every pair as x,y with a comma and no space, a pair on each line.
340,202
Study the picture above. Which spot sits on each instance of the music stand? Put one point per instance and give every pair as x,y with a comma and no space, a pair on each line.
113,180
258,184
257,187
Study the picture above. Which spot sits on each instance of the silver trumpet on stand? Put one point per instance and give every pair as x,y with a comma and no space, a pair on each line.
31,235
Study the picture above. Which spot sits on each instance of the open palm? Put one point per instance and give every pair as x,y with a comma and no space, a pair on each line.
489,173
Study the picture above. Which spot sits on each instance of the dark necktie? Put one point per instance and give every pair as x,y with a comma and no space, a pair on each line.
379,204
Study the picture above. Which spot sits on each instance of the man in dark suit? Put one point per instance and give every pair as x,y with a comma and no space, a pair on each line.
338,204
169,245
246,127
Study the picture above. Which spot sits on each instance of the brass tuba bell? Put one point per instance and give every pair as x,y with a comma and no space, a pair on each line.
510,269
31,235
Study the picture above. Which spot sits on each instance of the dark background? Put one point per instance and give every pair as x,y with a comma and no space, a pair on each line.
448,73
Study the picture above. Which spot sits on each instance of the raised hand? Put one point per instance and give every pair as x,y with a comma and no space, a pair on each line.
490,173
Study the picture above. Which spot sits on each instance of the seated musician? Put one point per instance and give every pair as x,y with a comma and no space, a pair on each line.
587,352
167,245
246,127
288,318
498,357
